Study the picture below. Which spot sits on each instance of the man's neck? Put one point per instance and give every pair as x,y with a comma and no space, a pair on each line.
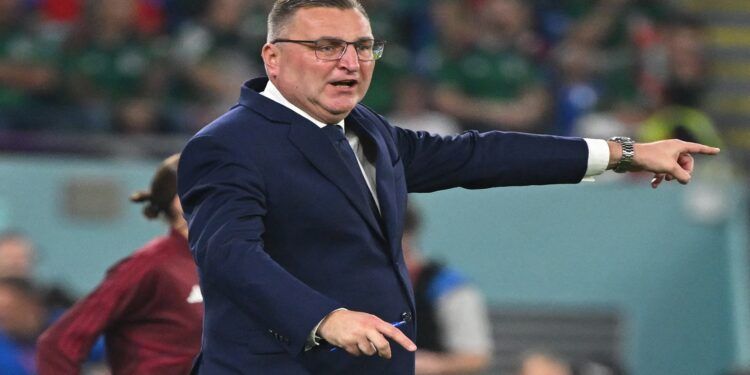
273,93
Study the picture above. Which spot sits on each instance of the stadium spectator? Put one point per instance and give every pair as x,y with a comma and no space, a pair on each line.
454,35
495,84
149,306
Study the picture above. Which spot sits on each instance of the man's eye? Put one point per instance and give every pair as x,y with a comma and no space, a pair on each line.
328,46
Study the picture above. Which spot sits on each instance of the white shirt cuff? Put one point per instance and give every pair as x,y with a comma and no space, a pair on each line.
598,158
313,339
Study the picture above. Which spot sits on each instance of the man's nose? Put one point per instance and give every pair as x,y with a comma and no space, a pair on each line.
349,60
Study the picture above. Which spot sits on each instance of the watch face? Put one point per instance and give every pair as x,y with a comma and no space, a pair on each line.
621,139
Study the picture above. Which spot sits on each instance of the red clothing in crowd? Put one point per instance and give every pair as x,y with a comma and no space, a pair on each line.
149,14
149,308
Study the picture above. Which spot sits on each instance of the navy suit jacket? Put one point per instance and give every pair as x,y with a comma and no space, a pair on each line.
283,234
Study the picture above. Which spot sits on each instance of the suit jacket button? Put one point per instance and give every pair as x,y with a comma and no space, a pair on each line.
406,316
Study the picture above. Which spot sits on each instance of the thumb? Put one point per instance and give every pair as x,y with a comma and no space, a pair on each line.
680,174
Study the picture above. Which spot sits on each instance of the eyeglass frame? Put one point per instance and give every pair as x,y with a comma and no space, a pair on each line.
376,56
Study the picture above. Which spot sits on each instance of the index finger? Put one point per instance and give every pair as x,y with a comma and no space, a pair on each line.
396,335
697,148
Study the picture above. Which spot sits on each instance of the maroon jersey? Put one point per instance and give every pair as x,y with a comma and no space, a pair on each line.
149,308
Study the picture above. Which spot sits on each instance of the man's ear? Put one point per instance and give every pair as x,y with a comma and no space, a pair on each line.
271,56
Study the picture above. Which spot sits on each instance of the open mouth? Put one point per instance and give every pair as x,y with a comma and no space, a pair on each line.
345,83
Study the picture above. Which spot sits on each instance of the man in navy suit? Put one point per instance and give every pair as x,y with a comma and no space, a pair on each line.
295,200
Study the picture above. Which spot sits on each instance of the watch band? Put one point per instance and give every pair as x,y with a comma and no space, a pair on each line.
628,152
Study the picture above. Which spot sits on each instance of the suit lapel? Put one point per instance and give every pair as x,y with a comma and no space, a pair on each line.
317,148
383,175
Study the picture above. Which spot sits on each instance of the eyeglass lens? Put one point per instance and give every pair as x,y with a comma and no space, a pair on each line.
334,49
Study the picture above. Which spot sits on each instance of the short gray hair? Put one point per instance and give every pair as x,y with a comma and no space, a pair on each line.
283,10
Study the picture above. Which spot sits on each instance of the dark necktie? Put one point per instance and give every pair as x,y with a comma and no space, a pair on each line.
336,134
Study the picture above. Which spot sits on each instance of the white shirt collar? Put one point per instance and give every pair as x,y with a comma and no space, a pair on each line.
271,92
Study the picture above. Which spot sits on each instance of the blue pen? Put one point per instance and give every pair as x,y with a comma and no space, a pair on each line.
399,324
395,324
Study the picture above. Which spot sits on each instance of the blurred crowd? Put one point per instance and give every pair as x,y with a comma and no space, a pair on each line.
575,67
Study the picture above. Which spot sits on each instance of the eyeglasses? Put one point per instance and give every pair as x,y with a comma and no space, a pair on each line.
334,49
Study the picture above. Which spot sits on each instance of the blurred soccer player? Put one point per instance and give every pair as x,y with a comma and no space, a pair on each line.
149,306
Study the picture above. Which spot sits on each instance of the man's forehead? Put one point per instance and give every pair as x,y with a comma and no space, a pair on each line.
330,22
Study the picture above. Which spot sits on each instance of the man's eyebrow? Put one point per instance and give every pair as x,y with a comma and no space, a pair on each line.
361,39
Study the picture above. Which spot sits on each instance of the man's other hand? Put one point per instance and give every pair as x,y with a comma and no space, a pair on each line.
669,160
361,333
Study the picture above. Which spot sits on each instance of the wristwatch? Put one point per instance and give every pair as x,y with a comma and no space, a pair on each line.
628,152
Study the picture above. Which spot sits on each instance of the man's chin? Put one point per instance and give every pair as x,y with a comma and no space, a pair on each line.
340,111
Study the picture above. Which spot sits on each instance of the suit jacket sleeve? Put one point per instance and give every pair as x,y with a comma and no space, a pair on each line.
476,160
223,197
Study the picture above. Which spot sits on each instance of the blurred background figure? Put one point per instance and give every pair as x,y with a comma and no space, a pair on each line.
149,307
495,83
598,366
29,78
542,363
17,255
23,317
18,260
678,111
414,111
213,53
455,335
390,18
113,71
